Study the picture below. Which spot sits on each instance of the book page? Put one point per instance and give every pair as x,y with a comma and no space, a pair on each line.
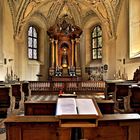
66,106
86,107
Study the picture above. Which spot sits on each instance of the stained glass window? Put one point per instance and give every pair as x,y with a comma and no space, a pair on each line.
96,42
32,43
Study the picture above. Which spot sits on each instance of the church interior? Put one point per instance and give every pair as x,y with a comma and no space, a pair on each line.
69,70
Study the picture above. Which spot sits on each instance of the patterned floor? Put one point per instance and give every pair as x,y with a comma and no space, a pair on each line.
43,98
2,130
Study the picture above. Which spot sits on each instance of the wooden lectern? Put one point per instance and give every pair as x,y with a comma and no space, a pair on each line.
77,113
74,112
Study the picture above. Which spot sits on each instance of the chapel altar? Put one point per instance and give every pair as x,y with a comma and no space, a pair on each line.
64,49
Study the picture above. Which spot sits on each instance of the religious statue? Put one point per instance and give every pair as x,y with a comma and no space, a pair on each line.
64,61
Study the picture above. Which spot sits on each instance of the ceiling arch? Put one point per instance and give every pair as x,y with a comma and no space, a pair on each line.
77,11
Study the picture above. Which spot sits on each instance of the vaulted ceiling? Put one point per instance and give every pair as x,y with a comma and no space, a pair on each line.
77,10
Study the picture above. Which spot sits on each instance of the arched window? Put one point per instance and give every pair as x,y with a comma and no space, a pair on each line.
96,42
32,43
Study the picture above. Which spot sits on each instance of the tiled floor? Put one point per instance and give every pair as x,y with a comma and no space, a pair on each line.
2,130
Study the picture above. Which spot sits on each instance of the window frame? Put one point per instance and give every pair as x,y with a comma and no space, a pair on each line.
96,39
33,46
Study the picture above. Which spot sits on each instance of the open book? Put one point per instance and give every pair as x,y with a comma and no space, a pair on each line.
75,106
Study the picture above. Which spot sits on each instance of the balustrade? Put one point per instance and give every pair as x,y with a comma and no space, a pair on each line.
92,86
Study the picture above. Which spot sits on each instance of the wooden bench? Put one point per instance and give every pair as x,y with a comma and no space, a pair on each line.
106,106
4,100
46,104
110,127
16,92
133,99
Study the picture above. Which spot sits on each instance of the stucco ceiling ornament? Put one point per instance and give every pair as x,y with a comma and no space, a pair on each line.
93,1
102,10
105,18
28,11
52,10
31,6
20,10
16,8
63,7
111,17
115,2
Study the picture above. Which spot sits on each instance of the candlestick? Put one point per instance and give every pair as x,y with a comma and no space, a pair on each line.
7,70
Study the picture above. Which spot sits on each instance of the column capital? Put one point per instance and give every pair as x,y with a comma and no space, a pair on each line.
77,40
56,41
52,40
72,40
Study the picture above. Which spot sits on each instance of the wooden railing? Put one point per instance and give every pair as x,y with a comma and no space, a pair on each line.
91,86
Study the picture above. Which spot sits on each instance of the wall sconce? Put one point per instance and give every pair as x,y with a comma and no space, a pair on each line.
119,60
124,61
5,61
10,60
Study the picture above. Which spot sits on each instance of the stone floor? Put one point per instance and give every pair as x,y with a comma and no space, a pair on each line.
2,130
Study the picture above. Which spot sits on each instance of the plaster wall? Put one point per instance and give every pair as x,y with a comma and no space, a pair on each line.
122,45
6,41
29,68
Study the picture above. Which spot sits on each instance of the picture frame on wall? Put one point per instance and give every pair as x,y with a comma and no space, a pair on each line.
134,29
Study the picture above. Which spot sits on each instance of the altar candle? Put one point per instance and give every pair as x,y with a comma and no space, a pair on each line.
11,72
7,70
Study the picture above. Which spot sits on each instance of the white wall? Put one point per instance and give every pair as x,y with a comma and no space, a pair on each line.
6,41
122,44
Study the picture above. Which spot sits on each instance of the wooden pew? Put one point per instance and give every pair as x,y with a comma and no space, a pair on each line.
4,100
110,127
133,100
121,91
106,106
110,87
46,104
120,95
32,128
16,92
136,76
25,89
40,105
